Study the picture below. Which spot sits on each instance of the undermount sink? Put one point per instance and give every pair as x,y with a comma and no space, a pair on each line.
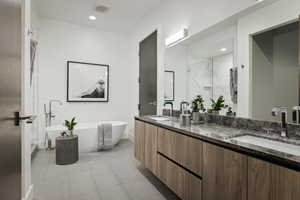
159,118
270,144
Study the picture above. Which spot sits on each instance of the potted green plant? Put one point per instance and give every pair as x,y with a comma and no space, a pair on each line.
197,106
70,126
66,145
217,105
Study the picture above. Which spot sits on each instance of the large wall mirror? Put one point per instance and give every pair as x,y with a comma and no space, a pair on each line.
204,65
275,71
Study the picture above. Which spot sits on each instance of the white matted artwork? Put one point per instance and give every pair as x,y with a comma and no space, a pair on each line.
87,82
169,86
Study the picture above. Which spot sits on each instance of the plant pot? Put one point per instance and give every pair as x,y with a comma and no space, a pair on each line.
196,117
215,112
67,150
70,133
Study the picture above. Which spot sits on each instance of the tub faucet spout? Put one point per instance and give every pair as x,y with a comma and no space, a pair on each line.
50,114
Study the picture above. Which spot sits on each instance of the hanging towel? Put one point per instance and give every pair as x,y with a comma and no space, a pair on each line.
105,136
33,46
234,84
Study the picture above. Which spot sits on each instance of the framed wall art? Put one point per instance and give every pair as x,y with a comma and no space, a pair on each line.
87,82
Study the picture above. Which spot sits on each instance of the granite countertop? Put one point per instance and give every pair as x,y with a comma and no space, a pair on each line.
224,137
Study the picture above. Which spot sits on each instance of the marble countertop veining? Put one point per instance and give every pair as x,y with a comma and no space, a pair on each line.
224,136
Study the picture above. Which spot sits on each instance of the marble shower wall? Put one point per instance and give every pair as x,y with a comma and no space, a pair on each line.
199,79
221,78
210,77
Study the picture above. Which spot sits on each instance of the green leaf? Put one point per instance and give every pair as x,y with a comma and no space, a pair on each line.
218,104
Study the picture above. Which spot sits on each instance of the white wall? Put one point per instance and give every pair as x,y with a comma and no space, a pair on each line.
60,42
280,12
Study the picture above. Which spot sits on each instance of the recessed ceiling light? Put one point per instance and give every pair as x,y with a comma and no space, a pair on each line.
223,49
92,17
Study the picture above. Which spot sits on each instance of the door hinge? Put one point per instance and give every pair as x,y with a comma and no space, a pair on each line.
139,106
139,80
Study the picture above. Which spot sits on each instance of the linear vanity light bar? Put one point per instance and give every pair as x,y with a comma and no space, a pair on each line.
177,37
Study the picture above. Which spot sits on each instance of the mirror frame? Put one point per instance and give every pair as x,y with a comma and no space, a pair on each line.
173,86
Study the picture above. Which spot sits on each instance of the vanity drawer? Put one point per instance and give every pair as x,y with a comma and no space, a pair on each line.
184,184
186,151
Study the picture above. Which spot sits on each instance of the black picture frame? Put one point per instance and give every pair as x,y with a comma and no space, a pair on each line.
88,100
173,86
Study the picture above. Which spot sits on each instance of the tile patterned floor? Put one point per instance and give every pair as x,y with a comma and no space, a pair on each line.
109,175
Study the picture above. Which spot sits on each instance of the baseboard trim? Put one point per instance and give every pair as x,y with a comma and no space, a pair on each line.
29,194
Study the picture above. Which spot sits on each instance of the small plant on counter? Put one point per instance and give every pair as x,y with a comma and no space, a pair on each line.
218,105
70,125
197,104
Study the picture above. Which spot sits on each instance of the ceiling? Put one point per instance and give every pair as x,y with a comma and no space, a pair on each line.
121,17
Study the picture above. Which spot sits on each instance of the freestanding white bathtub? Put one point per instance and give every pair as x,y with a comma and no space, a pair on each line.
88,134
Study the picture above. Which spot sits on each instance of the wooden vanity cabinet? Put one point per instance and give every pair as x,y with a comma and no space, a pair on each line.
185,150
224,174
196,170
268,181
139,141
184,184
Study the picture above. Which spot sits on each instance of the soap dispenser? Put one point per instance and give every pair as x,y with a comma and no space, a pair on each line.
185,116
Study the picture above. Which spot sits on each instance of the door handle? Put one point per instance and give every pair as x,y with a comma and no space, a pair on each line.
154,103
17,118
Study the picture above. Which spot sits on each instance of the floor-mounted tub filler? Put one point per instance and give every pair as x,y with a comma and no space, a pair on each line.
88,135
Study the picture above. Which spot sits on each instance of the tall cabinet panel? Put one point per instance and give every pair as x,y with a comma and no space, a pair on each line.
139,141
151,147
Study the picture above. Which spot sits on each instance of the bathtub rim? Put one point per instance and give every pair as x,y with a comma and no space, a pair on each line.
85,125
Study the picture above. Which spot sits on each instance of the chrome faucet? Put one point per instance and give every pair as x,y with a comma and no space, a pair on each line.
50,115
172,107
283,111
182,109
296,114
